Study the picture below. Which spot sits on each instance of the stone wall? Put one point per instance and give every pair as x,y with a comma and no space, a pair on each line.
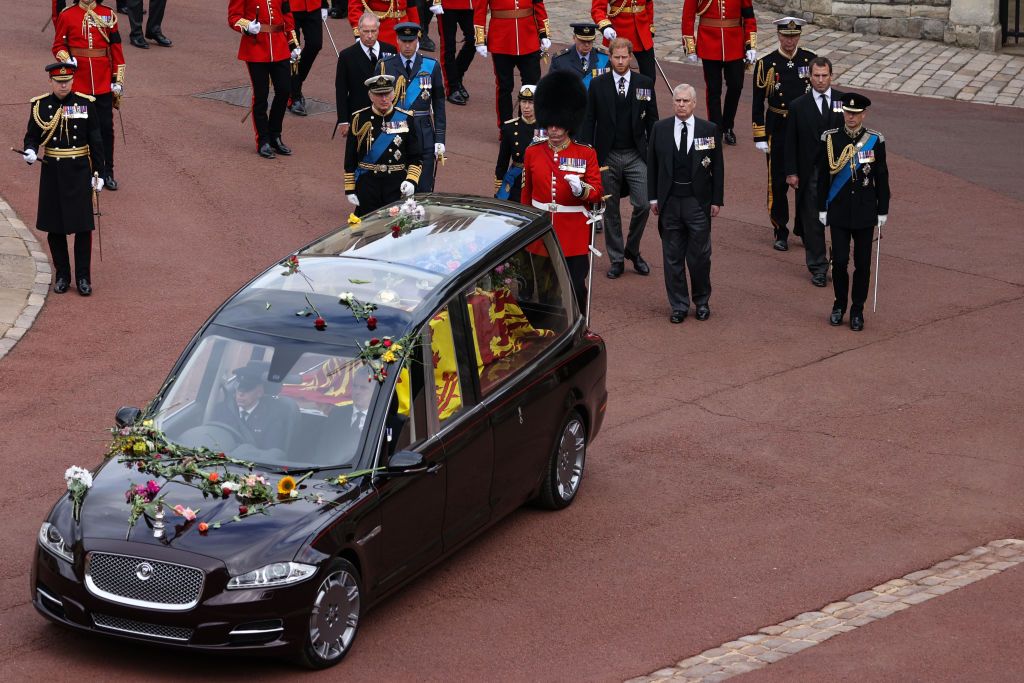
966,23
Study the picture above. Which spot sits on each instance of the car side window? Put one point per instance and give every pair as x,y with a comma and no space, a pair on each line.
518,309
444,366
407,424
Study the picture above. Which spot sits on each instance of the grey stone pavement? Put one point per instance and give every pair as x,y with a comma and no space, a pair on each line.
868,62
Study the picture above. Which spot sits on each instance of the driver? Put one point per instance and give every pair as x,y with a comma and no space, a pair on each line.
263,420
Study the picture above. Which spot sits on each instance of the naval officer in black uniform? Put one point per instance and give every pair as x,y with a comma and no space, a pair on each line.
516,135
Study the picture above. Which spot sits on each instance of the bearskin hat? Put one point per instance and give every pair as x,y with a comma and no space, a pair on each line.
561,100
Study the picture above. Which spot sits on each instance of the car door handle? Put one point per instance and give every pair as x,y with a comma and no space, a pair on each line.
435,468
519,410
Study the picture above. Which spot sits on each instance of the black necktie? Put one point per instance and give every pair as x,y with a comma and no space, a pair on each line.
683,134
824,107
408,67
583,63
373,59
622,86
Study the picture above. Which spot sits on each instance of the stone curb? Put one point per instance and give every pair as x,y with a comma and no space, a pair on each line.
36,290
772,643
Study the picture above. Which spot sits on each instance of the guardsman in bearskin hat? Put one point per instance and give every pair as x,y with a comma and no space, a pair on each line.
562,176
517,33
779,78
64,133
390,13
853,197
419,88
383,154
269,46
726,39
86,35
583,59
516,136
632,20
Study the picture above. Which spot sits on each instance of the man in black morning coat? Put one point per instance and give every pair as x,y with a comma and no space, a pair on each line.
356,63
685,181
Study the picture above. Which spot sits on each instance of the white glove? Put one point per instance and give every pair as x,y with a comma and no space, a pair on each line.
882,219
610,34
352,199
823,217
761,146
253,28
692,58
438,149
407,188
751,56
482,51
323,13
116,88
97,183
296,53
73,61
29,156
545,44
574,183
437,9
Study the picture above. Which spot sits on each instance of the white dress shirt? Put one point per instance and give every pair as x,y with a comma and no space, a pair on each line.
375,48
626,84
689,131
827,96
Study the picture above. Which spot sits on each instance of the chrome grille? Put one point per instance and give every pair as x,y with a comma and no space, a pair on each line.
141,628
166,586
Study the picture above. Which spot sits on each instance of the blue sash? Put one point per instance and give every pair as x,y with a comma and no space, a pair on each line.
379,145
601,62
845,173
412,88
511,176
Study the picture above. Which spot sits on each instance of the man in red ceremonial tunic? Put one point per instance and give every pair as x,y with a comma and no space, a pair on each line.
633,20
86,35
517,33
727,38
563,176
452,15
390,12
269,45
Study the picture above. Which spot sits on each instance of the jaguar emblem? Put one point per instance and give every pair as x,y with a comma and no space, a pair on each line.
143,571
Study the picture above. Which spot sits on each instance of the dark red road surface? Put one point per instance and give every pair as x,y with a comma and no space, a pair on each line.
752,467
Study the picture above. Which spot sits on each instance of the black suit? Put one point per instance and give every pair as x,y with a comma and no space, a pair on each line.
684,205
270,424
621,145
804,127
354,68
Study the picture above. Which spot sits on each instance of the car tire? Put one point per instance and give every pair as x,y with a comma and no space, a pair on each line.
334,616
565,468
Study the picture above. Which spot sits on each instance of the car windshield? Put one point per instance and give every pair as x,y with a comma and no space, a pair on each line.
276,402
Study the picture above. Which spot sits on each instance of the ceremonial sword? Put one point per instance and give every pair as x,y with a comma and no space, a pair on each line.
98,213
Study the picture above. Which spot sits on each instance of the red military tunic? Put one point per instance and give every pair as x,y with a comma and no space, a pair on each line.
632,19
727,29
516,25
276,38
88,32
545,187
390,12
304,5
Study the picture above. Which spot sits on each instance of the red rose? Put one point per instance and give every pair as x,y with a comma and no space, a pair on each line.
371,323
219,455
214,476
320,324
374,341
225,492
243,509
387,343
203,527
395,230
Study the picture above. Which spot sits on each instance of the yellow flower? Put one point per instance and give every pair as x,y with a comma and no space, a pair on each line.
388,357
147,423
396,347
342,480
354,220
286,486
140,447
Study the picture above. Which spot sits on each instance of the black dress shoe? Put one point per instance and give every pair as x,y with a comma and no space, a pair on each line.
139,42
160,39
729,137
298,106
836,318
265,151
856,321
456,98
615,271
61,284
334,13
677,317
780,245
703,312
109,183
640,266
280,147
819,279
465,93
84,288
427,45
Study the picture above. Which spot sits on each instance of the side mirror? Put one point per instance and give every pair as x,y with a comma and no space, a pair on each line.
406,462
127,415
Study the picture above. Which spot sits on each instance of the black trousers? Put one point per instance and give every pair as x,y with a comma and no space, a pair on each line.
423,9
105,112
505,81
861,266
156,17
814,231
310,30
778,200
733,74
261,74
686,243
579,268
376,190
645,64
59,252
453,67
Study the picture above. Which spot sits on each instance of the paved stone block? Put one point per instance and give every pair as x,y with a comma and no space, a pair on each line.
796,646
753,650
714,652
775,643
862,597
691,661
772,656
753,639
773,630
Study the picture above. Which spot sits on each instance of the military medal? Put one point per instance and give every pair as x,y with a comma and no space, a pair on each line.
398,139
397,154
705,162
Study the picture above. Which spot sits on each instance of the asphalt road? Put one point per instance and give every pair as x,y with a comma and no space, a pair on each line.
752,467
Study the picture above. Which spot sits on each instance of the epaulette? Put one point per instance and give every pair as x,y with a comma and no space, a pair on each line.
601,48
38,97
828,132
88,97
582,144
881,138
809,53
538,142
565,50
357,111
512,120
405,111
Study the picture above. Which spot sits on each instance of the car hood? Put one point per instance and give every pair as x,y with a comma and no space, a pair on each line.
274,536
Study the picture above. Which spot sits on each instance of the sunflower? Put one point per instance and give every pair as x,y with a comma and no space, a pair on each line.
286,486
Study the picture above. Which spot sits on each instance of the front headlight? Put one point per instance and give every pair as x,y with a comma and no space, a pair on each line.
277,574
51,540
